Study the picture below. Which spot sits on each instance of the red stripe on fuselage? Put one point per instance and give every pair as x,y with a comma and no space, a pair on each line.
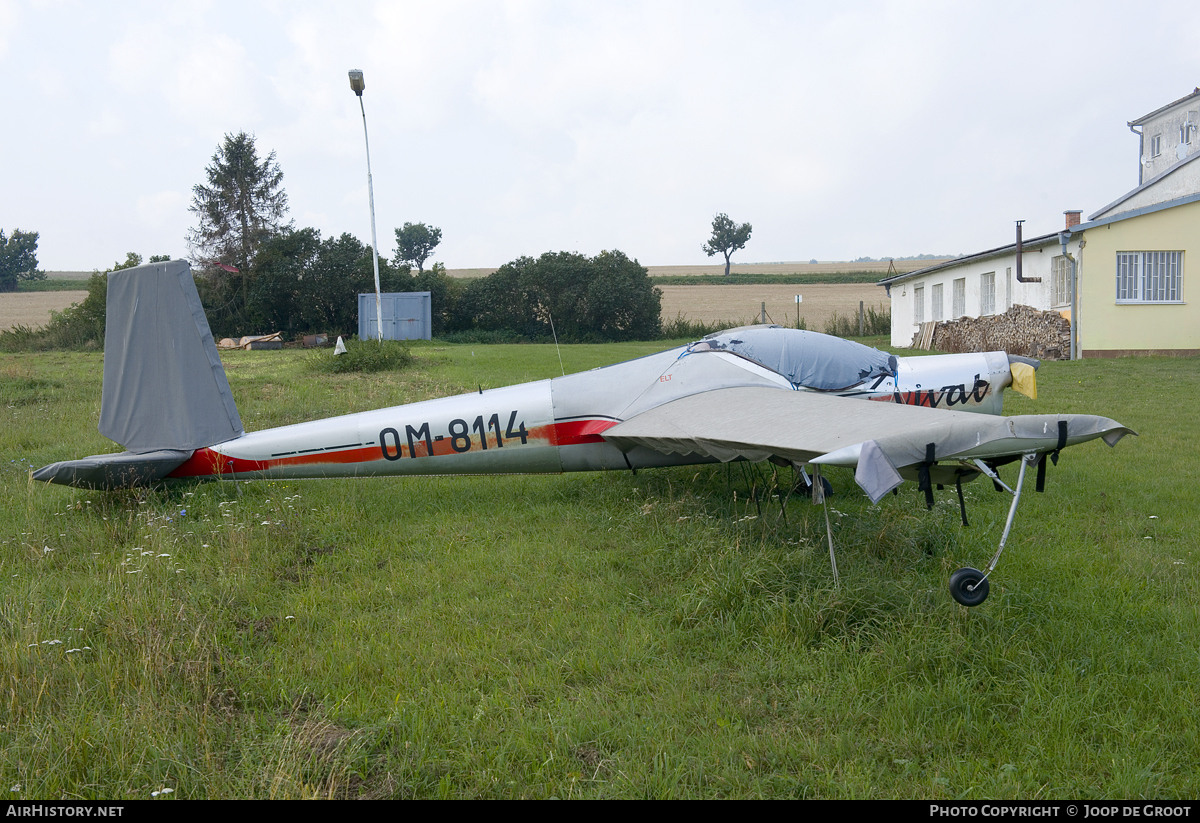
208,463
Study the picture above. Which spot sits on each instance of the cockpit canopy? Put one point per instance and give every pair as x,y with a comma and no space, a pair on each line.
806,358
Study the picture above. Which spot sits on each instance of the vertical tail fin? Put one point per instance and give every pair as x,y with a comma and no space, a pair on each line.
164,385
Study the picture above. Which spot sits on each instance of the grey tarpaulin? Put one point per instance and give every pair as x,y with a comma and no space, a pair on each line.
816,361
164,387
754,423
875,473
114,471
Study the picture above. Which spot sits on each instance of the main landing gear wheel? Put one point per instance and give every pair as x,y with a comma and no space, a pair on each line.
969,587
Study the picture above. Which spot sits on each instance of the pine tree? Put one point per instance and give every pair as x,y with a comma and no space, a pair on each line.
242,205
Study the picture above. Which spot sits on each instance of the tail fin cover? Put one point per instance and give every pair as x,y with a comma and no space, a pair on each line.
164,386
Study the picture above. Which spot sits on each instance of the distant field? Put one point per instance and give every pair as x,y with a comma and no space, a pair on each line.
710,304
701,303
33,309
718,270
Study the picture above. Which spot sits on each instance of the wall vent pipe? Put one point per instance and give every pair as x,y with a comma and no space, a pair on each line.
1021,279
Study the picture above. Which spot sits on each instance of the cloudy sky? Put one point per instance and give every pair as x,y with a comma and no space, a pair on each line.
837,129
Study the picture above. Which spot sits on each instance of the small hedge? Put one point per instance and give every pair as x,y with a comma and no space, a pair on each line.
363,356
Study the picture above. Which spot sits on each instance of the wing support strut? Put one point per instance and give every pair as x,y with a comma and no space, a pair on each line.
818,496
970,586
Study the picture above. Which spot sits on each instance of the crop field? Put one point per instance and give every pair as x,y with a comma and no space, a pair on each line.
707,304
718,270
670,634
710,304
33,309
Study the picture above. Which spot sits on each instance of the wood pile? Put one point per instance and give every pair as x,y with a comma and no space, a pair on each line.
1022,330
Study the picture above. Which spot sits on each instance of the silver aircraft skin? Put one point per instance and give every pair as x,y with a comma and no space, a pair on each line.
557,425
754,393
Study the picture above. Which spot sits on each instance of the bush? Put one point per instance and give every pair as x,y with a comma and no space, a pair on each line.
683,329
874,322
363,356
566,295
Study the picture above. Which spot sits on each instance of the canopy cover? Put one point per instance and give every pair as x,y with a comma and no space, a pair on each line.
808,359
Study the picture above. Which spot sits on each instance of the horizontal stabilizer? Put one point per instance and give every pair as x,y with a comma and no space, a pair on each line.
114,471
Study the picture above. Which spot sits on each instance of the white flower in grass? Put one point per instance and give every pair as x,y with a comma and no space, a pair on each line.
161,791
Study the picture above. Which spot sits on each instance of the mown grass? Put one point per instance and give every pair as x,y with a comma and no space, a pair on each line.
668,634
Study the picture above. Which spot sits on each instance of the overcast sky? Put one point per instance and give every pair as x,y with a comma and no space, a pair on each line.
837,129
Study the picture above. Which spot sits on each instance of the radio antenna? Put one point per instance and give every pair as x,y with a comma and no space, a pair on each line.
556,348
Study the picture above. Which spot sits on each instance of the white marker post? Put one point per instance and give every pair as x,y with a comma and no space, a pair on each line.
799,300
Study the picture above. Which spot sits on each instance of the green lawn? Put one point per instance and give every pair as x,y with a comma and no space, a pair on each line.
592,635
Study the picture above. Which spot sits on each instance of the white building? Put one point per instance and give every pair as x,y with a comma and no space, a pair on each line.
1167,136
990,282
986,283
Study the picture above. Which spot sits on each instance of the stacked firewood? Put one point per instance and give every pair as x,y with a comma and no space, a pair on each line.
1020,330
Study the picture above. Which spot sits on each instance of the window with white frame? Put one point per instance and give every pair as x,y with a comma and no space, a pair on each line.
958,298
935,301
1150,277
987,294
1060,280
919,304
1008,289
1156,145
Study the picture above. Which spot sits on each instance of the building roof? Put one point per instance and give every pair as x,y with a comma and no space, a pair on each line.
1045,239
1141,120
1125,215
1169,170
999,251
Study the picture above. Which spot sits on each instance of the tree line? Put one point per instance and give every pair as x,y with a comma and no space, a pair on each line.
256,271
18,259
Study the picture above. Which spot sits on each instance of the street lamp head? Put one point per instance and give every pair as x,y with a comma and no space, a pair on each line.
356,81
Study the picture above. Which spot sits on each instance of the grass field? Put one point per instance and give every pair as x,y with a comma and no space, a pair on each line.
592,635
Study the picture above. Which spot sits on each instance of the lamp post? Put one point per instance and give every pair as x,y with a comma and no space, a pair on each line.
357,85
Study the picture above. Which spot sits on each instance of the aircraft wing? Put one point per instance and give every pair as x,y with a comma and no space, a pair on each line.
884,441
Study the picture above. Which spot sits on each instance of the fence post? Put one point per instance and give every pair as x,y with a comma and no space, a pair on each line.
860,318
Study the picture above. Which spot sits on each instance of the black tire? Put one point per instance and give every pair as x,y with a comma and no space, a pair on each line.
968,587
